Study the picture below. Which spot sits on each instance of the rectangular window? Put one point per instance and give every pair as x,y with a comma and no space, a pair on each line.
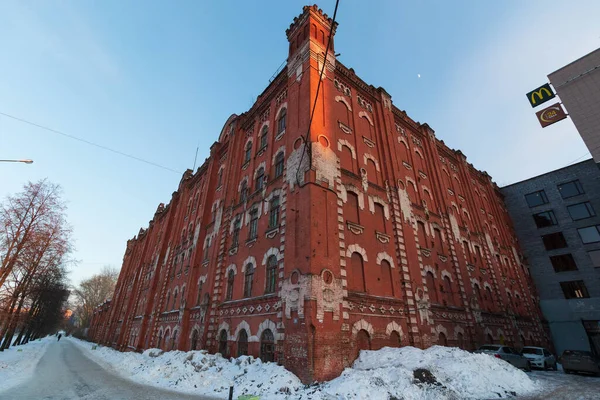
589,234
595,256
554,241
574,290
544,219
236,233
253,224
570,189
563,262
536,198
581,211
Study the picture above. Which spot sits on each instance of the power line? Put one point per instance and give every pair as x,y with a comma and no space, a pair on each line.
90,143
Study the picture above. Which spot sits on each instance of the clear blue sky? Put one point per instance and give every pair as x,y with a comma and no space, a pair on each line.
155,79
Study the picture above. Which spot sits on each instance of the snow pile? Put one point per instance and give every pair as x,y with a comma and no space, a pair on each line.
197,372
17,363
389,373
443,373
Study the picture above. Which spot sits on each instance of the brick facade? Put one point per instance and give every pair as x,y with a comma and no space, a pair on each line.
372,234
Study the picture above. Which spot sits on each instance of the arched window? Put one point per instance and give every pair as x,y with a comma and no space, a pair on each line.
174,342
248,280
438,240
260,177
223,348
168,300
182,302
448,290
281,122
363,341
263,138
386,279
351,207
279,160
194,341
242,345
274,212
199,296
460,341
422,235
271,274
244,192
395,340
175,294
357,269
220,178
267,346
167,340
431,289
442,341
253,231
235,235
159,343
379,218
489,339
477,291
489,297
346,160
365,128
230,279
467,251
372,174
248,152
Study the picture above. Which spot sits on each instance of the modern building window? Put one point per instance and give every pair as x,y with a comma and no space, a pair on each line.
554,241
574,290
279,164
544,219
595,257
581,211
282,121
570,189
260,179
536,198
263,138
589,234
271,274
248,278
248,152
253,232
563,262
274,212
230,281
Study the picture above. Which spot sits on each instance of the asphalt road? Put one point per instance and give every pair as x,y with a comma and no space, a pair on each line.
64,373
556,385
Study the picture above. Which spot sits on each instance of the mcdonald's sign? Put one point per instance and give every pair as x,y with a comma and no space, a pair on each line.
550,115
540,95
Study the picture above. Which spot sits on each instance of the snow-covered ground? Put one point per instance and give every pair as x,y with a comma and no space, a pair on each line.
384,374
560,386
18,363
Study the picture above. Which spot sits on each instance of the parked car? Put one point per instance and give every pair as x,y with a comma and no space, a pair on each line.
539,357
579,361
507,354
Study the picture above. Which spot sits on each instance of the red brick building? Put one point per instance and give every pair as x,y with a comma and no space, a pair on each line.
373,233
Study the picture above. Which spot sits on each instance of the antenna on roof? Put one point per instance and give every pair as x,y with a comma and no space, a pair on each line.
196,157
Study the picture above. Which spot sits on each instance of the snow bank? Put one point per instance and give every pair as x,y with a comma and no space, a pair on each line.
18,363
388,373
376,375
197,372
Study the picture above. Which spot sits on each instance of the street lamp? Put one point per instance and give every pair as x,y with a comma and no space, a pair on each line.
23,161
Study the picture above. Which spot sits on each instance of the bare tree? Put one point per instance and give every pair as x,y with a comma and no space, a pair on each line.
35,242
92,292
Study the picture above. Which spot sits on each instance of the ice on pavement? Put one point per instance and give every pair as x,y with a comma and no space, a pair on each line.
17,363
374,375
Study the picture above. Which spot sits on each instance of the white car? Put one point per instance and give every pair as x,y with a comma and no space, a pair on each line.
539,357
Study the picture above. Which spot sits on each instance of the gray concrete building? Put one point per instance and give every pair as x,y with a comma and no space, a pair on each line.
557,220
578,86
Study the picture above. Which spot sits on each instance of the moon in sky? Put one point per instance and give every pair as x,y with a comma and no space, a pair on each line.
418,75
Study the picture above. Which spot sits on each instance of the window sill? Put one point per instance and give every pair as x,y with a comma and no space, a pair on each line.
355,228
382,237
261,151
280,135
245,165
250,242
272,232
233,250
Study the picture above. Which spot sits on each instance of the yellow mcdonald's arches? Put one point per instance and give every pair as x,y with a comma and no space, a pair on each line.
539,94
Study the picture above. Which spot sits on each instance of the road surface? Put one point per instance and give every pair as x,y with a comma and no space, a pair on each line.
557,385
65,373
